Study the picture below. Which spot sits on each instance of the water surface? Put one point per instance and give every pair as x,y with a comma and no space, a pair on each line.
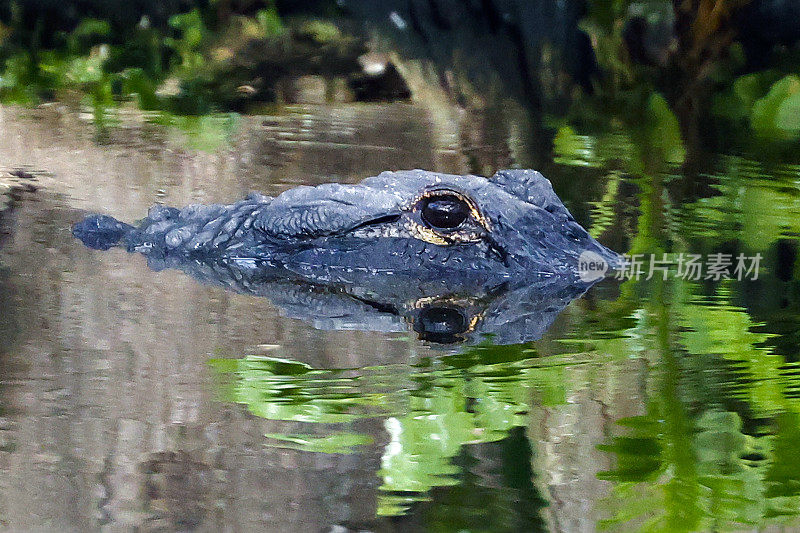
138,399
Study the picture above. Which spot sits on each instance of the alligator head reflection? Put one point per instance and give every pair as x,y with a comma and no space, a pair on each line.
468,308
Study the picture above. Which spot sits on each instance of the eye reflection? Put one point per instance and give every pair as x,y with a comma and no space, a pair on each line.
442,325
444,211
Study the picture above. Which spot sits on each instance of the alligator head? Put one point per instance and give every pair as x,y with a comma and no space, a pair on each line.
432,224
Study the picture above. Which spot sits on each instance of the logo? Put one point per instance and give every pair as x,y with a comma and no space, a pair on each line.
591,266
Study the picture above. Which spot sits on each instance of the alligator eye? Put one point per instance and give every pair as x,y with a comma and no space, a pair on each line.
445,211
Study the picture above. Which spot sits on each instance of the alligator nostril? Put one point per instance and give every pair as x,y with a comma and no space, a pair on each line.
441,324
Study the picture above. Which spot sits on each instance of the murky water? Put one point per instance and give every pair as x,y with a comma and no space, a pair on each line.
141,399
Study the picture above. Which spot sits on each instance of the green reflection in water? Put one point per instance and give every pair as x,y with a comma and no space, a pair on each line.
715,445
755,204
705,455
199,132
430,412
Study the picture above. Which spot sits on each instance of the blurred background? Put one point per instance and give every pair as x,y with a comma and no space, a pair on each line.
141,400
726,70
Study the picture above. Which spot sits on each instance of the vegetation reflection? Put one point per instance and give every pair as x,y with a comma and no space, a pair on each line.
710,450
430,411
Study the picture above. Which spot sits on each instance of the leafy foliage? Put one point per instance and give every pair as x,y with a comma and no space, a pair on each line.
200,61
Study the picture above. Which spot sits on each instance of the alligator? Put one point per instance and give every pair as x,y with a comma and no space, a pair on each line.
432,225
456,258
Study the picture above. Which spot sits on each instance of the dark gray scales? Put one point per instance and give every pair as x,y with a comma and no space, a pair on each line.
516,226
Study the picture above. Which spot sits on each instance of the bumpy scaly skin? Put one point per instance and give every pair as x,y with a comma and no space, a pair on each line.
198,229
336,231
